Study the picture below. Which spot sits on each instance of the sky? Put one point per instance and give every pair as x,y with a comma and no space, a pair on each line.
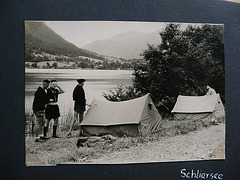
82,33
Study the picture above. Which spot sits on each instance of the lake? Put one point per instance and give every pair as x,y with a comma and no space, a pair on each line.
97,83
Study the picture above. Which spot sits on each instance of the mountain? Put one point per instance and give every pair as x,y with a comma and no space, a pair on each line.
127,45
39,38
46,49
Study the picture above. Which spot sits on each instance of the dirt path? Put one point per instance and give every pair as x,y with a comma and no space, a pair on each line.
32,159
205,144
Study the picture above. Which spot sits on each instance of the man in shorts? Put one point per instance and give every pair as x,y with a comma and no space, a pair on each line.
52,108
39,103
79,105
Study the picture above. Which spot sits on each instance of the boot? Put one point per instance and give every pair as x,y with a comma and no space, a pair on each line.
54,132
45,130
39,139
80,131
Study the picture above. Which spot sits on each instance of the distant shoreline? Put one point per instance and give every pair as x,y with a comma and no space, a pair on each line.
35,70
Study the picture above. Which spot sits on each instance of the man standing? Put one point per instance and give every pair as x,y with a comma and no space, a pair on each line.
39,103
52,109
79,105
210,91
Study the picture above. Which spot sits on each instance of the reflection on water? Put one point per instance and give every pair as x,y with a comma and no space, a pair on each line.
97,82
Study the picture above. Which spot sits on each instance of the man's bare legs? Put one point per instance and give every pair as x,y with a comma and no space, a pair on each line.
77,117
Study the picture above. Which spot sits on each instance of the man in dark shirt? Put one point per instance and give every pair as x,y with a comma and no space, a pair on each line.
39,103
52,108
79,105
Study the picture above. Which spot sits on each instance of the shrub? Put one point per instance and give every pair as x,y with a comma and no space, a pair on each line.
122,93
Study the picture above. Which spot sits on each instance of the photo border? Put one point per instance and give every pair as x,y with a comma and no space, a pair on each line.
12,71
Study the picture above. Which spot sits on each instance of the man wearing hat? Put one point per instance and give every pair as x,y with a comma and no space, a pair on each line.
39,103
79,104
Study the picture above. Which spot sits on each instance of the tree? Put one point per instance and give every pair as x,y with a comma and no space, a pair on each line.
55,65
34,65
184,63
83,65
121,93
27,65
48,65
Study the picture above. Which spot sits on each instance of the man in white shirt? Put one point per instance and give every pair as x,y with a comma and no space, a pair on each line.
210,91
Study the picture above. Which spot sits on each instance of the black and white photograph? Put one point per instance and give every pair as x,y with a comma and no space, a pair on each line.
123,92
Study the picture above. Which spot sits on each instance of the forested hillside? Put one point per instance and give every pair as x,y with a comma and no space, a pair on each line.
40,38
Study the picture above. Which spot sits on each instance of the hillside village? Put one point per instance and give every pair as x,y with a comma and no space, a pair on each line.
44,60
44,49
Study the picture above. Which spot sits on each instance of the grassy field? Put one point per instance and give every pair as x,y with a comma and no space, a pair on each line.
65,150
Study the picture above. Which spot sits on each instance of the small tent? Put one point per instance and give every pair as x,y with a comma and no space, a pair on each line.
199,107
132,117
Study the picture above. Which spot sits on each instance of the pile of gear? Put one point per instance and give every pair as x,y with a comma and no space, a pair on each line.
95,140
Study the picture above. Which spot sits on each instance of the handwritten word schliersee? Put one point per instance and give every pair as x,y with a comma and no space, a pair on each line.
198,174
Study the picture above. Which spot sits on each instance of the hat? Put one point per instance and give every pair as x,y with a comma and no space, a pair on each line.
81,80
46,80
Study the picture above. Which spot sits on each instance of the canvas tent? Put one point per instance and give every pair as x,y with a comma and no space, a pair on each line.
132,117
199,107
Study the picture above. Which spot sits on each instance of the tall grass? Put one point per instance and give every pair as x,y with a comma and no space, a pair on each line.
66,120
67,116
29,123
